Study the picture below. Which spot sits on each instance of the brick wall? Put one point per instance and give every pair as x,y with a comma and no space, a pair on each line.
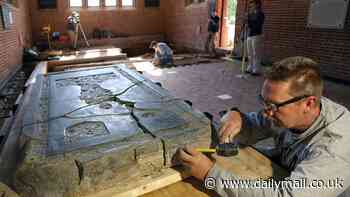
186,26
137,21
286,34
13,40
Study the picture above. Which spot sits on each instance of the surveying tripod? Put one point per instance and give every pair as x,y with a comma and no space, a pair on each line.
78,28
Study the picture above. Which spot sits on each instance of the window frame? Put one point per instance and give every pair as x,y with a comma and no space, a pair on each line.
51,7
158,6
102,5
111,6
194,3
6,15
2,24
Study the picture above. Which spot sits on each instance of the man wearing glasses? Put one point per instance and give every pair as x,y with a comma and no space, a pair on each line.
311,133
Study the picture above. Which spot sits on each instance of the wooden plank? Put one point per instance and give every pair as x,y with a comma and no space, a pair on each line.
94,49
143,186
88,56
95,64
80,60
40,68
248,164
189,187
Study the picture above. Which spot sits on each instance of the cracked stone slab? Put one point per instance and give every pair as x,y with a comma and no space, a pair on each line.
89,130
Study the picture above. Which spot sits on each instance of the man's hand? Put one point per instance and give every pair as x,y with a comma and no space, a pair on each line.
156,62
198,163
231,125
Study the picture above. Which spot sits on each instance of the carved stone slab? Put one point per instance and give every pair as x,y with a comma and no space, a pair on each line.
87,130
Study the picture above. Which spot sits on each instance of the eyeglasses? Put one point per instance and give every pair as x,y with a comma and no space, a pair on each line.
269,106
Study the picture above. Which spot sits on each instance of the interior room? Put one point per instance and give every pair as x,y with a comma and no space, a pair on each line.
104,98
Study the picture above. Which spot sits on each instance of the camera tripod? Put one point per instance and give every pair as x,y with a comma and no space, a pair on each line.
78,28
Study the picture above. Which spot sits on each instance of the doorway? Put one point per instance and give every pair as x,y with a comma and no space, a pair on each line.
227,12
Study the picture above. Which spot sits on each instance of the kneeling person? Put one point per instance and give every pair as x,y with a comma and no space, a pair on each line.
163,55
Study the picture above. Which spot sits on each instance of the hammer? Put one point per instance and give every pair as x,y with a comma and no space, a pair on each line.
224,149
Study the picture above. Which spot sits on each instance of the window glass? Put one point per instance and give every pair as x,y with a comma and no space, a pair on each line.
93,3
127,3
75,3
110,2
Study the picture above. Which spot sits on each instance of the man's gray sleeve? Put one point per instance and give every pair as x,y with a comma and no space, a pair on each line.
255,127
324,174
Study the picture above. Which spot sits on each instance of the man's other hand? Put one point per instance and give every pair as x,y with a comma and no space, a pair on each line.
198,163
231,124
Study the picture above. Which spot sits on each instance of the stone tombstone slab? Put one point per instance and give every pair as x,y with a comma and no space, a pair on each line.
91,129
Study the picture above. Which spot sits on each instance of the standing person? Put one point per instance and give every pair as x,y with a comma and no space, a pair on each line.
163,55
213,27
72,24
255,21
311,134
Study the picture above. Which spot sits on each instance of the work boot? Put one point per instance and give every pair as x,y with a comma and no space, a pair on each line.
249,69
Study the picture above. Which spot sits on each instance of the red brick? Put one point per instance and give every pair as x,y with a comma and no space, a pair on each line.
13,40
133,22
286,35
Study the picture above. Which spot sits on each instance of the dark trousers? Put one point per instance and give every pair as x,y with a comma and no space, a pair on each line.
210,44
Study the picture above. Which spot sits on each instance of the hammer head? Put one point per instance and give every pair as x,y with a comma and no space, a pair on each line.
223,149
227,149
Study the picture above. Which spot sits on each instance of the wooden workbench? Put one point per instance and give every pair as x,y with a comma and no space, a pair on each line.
248,163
